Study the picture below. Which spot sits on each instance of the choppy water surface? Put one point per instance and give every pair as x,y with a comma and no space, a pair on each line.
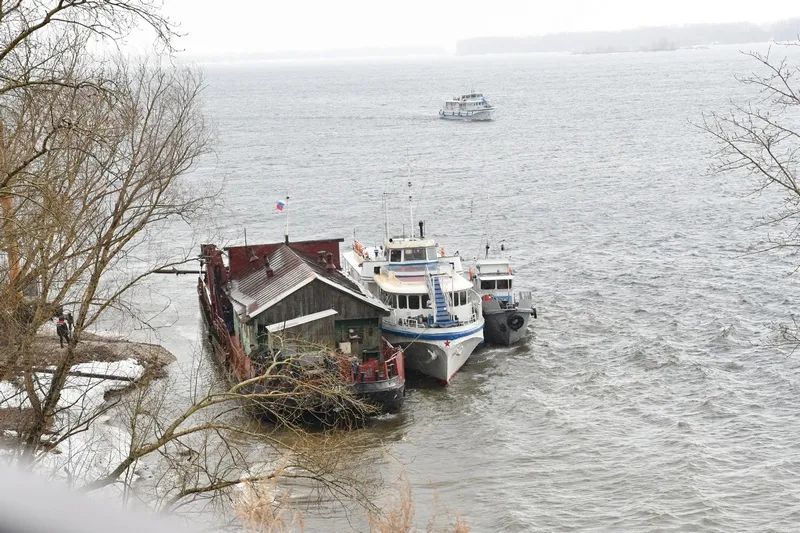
648,397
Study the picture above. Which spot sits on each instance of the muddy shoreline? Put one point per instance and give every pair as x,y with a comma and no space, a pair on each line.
46,352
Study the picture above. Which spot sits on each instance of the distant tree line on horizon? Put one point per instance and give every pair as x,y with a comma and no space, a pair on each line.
639,39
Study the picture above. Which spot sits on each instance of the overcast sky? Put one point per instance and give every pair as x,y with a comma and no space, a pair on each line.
282,25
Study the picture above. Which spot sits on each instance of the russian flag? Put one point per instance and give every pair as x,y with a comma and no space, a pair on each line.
280,206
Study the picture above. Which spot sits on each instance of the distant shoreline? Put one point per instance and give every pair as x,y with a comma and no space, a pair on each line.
654,38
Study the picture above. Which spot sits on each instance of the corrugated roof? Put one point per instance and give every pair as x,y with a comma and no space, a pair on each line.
292,271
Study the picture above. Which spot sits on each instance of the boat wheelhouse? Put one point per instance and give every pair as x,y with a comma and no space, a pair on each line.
473,106
506,313
435,312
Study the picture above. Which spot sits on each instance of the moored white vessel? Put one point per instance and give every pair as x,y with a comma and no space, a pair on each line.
506,314
435,313
472,106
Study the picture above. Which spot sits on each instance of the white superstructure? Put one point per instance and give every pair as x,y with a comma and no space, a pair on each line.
435,312
472,106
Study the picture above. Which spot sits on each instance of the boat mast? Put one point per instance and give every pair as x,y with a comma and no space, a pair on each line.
410,205
385,220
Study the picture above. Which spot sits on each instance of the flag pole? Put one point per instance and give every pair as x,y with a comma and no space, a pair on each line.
286,233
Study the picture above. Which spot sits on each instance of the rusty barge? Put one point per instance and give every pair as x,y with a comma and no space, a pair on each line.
263,304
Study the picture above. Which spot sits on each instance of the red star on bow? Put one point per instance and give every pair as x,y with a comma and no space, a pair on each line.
447,343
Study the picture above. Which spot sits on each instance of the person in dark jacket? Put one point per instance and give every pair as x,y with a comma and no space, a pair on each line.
62,329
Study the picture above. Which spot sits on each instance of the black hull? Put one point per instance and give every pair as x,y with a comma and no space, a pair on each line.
505,326
388,395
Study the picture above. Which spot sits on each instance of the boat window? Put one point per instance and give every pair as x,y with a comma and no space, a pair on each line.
487,284
503,284
426,300
431,253
394,256
413,301
376,270
415,254
402,303
463,297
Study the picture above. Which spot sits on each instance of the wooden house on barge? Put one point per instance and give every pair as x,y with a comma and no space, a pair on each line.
291,294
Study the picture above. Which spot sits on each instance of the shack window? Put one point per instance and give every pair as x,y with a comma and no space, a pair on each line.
463,297
426,300
413,301
402,303
503,283
415,254
487,284
394,256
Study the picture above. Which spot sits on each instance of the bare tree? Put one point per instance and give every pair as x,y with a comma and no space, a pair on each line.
95,150
761,138
198,452
82,209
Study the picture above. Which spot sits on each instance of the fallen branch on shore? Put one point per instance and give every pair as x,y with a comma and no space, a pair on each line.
78,373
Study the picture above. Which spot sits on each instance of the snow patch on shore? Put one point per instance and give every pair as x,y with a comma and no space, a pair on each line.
80,393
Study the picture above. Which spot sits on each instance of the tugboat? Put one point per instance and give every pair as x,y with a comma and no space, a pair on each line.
270,301
473,106
506,314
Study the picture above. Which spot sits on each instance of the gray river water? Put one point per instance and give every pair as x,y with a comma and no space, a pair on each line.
648,397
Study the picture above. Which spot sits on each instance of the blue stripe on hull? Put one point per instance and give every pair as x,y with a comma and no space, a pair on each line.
432,336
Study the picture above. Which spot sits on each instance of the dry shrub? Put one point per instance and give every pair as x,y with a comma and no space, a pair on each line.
263,508
398,516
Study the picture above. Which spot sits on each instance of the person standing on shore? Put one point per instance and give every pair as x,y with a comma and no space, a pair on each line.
62,329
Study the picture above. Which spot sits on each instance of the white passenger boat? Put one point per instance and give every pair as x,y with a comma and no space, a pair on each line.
435,312
473,106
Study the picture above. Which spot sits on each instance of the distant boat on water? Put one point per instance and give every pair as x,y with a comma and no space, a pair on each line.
473,106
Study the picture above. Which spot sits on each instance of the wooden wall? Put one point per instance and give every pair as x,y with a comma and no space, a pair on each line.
318,296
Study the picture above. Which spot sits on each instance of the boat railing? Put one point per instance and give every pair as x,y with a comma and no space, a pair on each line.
477,308
420,321
524,295
241,365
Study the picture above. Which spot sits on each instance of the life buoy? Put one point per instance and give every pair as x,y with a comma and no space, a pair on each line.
510,270
515,322
441,251
358,247
471,274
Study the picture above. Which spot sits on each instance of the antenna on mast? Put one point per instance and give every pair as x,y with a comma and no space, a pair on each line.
410,204
385,218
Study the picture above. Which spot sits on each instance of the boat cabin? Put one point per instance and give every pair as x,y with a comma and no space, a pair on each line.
494,278
467,102
432,299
